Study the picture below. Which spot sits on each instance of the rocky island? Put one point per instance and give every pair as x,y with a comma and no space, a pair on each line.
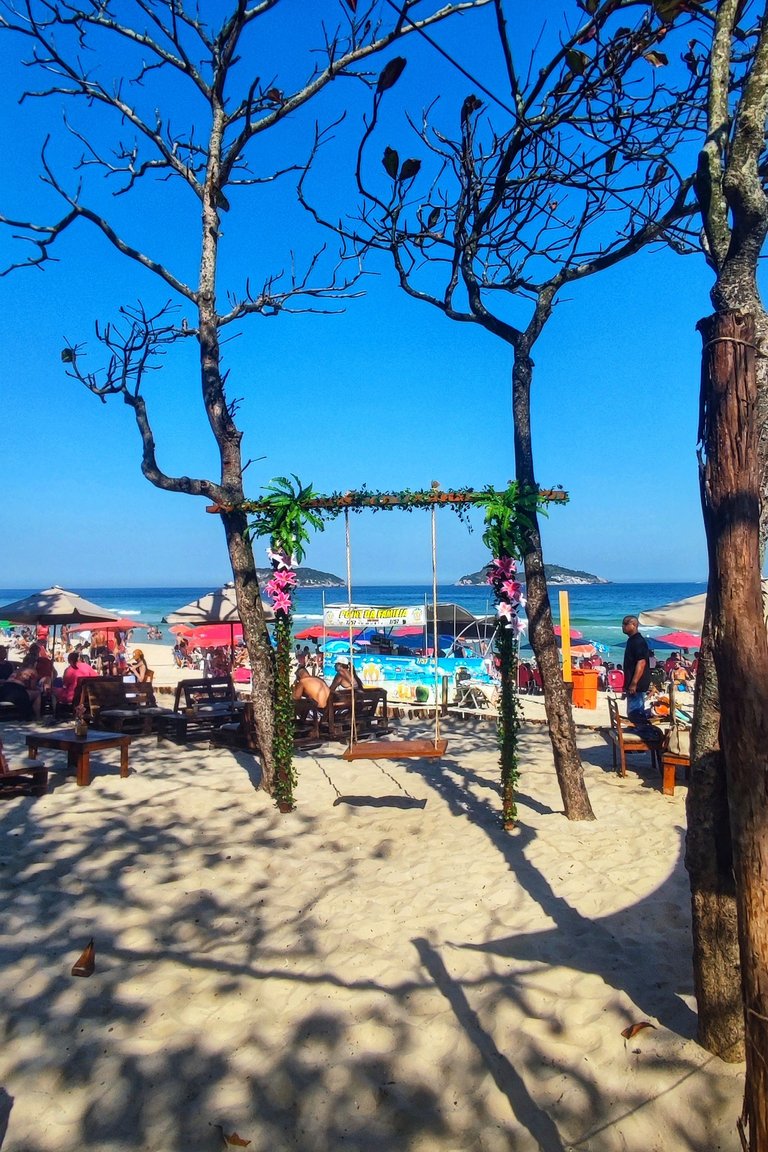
554,573
305,578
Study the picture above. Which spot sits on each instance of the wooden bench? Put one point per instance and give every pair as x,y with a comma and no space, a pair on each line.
32,778
204,692
15,703
116,705
306,724
201,708
336,717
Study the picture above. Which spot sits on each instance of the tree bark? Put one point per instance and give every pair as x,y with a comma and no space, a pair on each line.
256,637
709,861
734,218
730,482
228,439
562,730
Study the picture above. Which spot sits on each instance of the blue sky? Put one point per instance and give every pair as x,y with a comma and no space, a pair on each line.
388,393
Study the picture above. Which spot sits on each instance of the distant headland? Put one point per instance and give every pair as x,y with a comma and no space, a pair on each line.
306,578
554,573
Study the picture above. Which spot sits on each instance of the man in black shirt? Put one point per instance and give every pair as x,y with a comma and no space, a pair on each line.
637,666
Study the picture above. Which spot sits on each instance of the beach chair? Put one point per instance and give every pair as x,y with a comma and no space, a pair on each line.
468,694
625,740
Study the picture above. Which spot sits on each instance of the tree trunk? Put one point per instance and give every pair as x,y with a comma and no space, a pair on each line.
256,637
709,860
731,503
562,730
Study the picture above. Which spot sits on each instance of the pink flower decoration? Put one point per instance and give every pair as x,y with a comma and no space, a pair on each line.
505,567
506,610
512,589
280,558
281,602
283,578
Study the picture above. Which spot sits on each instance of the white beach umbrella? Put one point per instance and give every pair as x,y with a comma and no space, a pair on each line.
219,607
54,606
682,615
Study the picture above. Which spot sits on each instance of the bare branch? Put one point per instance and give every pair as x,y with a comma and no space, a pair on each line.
77,211
581,180
342,59
134,346
273,299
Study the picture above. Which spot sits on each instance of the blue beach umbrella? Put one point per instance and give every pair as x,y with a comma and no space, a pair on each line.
332,646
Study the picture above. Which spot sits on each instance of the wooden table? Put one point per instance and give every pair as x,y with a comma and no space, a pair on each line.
670,762
79,748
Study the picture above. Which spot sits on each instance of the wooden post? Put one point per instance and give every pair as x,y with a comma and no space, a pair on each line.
565,629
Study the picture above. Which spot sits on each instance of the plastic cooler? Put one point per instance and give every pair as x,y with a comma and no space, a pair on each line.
584,688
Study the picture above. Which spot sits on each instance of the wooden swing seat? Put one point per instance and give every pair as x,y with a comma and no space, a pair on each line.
396,750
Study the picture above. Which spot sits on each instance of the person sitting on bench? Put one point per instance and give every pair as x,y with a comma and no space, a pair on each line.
346,677
139,667
310,693
312,688
76,670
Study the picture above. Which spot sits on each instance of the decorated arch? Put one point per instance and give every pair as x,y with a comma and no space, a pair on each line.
288,512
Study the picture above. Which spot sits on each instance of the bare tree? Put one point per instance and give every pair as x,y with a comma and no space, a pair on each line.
728,817
200,70
489,224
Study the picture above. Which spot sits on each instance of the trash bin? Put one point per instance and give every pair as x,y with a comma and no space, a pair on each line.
585,688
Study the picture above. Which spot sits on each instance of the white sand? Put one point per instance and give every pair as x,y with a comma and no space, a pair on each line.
360,974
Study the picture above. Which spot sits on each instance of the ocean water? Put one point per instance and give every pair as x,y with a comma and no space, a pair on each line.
596,610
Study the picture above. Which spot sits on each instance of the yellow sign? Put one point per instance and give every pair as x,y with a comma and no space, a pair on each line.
361,616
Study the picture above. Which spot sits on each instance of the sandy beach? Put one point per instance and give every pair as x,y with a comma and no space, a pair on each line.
383,968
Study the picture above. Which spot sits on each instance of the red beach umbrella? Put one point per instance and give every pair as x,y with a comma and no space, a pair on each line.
214,635
315,632
106,626
679,639
575,635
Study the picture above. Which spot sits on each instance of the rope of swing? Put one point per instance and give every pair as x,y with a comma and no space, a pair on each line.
436,671
434,625
353,720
